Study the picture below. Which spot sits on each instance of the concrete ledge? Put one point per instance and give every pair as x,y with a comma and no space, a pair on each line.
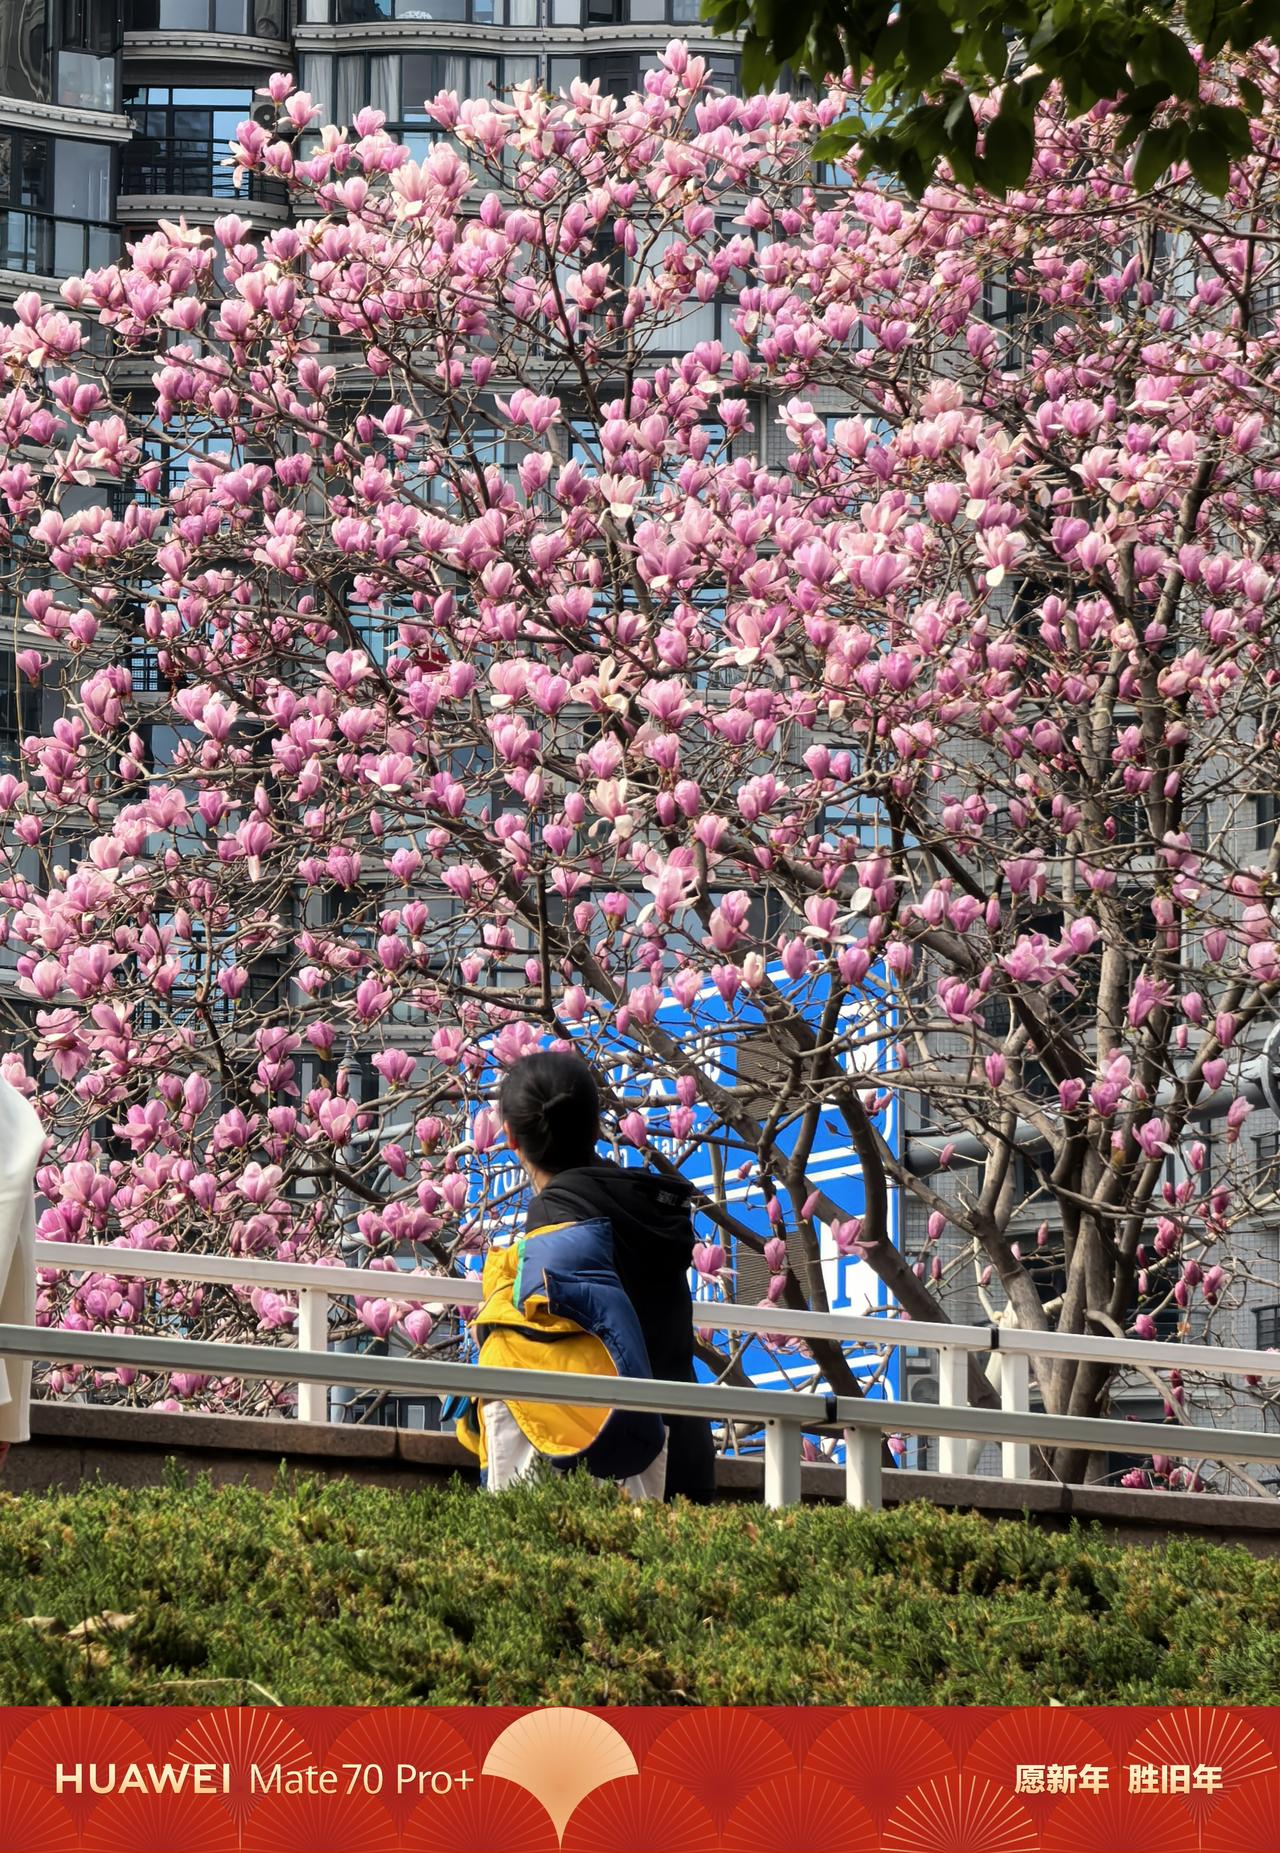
1125,1516
75,1442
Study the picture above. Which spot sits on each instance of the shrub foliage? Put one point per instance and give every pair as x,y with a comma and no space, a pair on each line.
325,1592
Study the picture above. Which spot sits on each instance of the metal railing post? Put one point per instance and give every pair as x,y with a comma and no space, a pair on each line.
953,1390
863,1469
1015,1397
313,1335
783,1453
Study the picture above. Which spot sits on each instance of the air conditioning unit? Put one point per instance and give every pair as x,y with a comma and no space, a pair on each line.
266,115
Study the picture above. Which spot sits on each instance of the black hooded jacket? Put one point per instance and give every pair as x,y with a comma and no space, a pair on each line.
653,1251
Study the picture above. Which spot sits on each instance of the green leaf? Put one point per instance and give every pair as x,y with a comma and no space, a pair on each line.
836,141
887,53
1008,151
1250,95
1172,61
1210,162
789,33
1228,125
1143,101
1259,21
959,110
930,42
1160,149
758,68
995,52
1207,22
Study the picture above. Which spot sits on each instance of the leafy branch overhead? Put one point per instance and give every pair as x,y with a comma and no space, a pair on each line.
959,81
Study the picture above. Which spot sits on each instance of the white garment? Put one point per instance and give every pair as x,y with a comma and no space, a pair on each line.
21,1142
511,1456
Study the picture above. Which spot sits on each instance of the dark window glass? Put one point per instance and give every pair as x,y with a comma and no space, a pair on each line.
10,724
34,171
1266,811
82,180
1267,1322
418,81
24,51
617,74
87,44
232,16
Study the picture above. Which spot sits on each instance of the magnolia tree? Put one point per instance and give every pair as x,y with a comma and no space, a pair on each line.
594,582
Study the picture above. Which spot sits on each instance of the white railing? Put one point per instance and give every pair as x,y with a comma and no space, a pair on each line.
785,1414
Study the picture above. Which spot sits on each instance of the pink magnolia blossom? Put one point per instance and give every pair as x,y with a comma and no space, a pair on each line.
794,765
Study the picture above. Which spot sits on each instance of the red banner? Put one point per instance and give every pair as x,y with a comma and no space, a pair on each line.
639,1780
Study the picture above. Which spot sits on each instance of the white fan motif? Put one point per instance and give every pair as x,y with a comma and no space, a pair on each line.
560,1756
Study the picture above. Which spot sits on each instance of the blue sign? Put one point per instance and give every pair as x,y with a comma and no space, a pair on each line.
712,1032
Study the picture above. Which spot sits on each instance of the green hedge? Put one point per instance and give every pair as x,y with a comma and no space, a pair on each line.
328,1593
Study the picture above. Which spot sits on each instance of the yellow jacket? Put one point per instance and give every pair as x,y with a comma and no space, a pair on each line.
553,1301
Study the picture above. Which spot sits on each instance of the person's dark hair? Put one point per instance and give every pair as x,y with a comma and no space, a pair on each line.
550,1102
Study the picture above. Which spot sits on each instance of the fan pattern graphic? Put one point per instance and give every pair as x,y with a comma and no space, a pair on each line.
566,1779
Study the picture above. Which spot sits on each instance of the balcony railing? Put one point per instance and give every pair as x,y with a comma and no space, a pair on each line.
41,244
189,168
783,1415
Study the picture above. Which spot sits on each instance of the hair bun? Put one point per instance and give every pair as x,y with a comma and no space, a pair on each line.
554,1103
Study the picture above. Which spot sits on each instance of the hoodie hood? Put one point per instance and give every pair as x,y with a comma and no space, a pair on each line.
643,1207
653,1251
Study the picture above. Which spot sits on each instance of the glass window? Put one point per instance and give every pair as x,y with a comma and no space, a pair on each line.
182,140
384,85
418,82
435,12
87,42
82,180
452,74
190,16
402,86
352,92
55,200
24,51
93,25
617,74
34,168
86,81
317,80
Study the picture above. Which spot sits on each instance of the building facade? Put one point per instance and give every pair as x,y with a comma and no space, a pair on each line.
114,113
